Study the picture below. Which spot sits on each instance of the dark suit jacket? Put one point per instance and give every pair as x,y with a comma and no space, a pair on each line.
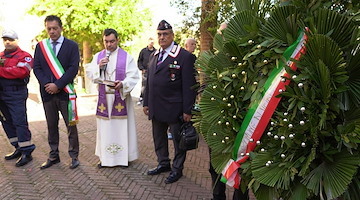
169,90
69,58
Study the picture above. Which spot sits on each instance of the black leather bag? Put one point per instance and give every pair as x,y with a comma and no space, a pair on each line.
189,138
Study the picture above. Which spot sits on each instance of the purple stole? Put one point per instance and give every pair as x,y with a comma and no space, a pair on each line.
119,106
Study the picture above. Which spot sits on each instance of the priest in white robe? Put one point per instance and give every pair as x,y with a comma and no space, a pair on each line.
116,74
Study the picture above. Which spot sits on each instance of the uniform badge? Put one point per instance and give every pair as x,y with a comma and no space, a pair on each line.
173,68
28,59
172,77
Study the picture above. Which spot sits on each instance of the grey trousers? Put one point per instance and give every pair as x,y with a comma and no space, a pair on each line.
52,109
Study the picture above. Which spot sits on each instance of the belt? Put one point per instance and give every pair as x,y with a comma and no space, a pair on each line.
12,88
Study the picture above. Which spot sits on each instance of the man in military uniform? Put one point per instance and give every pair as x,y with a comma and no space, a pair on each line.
169,98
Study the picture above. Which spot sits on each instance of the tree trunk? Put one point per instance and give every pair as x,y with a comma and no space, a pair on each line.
86,58
87,52
206,38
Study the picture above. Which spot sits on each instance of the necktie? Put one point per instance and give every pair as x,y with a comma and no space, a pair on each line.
54,46
160,60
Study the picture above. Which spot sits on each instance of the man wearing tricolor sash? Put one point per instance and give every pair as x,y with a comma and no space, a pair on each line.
116,73
56,63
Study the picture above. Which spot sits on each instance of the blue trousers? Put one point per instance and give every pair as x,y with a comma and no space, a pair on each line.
14,118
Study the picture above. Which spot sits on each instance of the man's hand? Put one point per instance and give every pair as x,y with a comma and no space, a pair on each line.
51,88
118,85
103,62
186,117
146,110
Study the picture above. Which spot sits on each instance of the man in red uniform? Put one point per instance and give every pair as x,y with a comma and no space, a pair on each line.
15,67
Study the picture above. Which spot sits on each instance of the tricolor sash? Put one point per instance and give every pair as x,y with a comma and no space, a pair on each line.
259,114
119,105
58,71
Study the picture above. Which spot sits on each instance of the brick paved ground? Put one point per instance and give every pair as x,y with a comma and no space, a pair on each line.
89,182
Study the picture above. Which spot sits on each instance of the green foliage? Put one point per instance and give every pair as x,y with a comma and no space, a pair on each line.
354,188
318,117
244,24
282,24
85,20
191,10
333,175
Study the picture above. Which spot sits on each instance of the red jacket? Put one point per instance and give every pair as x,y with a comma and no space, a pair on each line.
15,65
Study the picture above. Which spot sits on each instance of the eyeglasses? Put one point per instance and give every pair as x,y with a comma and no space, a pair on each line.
165,34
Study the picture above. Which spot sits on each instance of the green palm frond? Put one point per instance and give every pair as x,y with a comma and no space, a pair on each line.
204,60
354,79
333,177
219,62
352,115
219,140
282,24
232,48
203,126
243,5
353,192
263,165
218,42
220,143
321,75
220,160
339,27
266,193
211,103
261,7
353,65
299,192
326,74
326,68
321,47
244,25
309,160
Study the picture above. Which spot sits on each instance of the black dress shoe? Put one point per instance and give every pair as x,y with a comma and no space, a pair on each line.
23,160
13,155
159,169
74,163
49,163
173,177
99,165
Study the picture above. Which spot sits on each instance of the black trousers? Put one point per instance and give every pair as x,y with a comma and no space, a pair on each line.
219,187
52,109
162,146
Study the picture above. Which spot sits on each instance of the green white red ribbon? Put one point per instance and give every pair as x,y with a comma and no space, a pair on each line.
260,112
58,72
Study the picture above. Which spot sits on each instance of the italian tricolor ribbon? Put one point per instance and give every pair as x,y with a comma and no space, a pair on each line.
260,112
58,71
